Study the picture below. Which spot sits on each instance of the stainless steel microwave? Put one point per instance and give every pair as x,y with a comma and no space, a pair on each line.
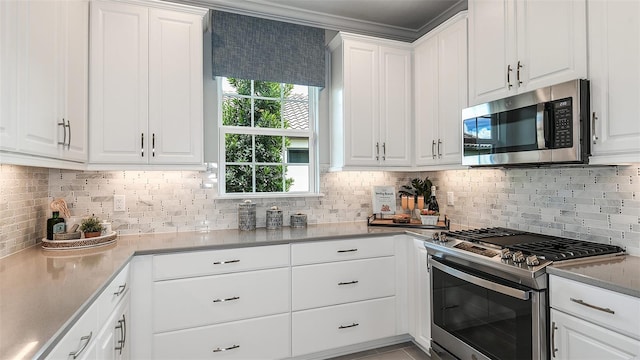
545,126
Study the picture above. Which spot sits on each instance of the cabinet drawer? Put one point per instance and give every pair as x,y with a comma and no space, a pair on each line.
337,250
341,282
341,325
80,339
607,308
262,338
113,293
211,262
184,303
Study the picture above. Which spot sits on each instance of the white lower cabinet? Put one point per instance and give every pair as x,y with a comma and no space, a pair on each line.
574,338
262,338
112,341
589,322
79,341
419,295
341,325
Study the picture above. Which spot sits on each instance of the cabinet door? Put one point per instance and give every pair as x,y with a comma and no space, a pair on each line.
573,338
113,343
175,88
552,43
8,76
40,76
118,101
614,54
76,81
491,50
422,331
361,104
395,107
426,101
452,91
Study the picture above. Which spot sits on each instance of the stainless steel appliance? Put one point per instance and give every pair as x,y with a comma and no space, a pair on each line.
545,126
489,291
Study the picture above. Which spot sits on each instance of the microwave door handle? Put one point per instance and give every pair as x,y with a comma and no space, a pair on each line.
503,289
542,126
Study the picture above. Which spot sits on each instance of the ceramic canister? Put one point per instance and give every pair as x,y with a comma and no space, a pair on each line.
298,220
274,218
247,215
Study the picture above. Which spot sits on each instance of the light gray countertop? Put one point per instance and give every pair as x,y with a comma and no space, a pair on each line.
620,274
41,290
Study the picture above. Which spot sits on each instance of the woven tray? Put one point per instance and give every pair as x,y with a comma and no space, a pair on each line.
82,243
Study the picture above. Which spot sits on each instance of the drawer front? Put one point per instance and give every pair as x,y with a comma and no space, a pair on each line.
338,250
185,303
113,294
262,338
341,282
607,308
80,339
200,263
341,325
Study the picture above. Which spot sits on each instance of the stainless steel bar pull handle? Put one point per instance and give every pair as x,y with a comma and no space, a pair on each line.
348,250
64,133
153,145
384,151
520,66
226,349
593,127
86,339
348,282
227,299
122,326
509,70
142,144
377,151
226,262
68,126
439,153
348,326
553,339
121,289
433,149
581,302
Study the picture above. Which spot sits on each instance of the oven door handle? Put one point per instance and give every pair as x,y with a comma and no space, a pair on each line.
506,290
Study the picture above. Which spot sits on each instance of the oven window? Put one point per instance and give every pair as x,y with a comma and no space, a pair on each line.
498,325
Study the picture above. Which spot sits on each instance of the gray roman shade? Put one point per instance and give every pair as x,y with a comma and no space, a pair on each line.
247,47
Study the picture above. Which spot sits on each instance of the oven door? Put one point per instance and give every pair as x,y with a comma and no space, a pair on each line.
476,316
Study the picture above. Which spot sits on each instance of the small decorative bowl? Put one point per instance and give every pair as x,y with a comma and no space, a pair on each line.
429,219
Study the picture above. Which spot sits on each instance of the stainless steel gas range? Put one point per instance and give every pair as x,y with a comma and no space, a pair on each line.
489,291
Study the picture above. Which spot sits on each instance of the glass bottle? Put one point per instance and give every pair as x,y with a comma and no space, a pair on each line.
55,225
433,203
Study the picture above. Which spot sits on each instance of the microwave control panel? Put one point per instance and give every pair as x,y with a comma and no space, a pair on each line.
562,123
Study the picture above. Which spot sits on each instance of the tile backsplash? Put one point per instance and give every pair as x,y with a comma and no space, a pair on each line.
600,204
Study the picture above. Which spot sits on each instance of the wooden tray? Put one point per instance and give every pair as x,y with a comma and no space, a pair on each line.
82,243
373,220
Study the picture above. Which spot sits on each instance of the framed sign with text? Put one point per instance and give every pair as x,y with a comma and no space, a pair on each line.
384,200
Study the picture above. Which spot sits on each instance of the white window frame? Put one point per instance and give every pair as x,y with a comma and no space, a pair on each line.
311,133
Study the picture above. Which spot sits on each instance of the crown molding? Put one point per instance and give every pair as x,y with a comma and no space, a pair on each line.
261,9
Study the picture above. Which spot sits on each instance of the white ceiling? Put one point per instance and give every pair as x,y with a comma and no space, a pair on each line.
404,20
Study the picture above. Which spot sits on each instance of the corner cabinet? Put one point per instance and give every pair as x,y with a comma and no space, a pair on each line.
371,103
521,45
440,90
614,54
44,74
146,98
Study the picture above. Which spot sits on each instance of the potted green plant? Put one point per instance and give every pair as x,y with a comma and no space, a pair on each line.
91,227
416,188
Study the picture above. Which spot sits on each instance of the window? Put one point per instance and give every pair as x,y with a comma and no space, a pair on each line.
267,137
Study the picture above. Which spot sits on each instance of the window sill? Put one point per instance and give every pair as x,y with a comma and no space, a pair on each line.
245,196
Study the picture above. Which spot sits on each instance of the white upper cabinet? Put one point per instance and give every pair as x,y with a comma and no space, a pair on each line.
522,45
440,84
614,55
146,84
371,103
44,70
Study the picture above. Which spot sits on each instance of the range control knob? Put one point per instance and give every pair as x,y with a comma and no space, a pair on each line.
533,260
518,257
505,254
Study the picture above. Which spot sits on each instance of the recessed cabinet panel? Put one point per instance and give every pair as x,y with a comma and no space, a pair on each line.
8,75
